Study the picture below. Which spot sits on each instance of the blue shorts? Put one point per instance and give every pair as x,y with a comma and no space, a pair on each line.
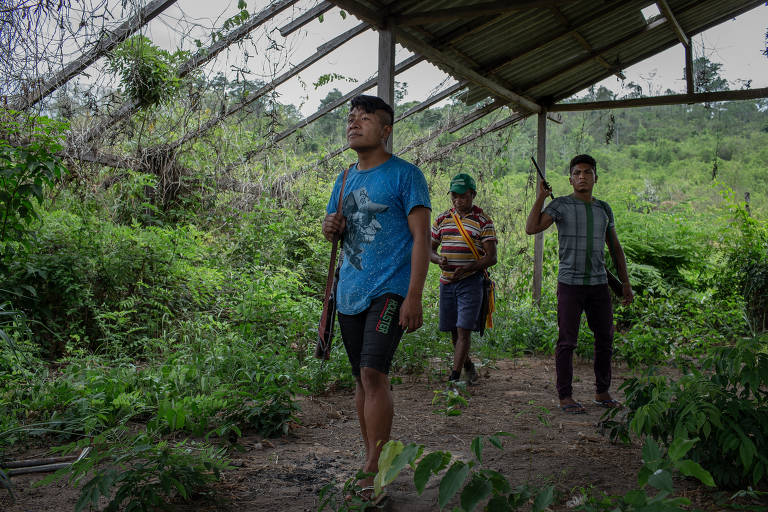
372,336
460,303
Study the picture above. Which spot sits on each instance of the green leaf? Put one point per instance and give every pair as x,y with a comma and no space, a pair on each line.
636,497
746,451
497,480
694,469
495,441
241,4
452,482
661,480
432,463
388,453
651,451
475,491
343,14
179,487
477,448
405,458
679,447
498,504
543,499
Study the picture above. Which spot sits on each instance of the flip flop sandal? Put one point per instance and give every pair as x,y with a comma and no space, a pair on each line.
608,404
575,408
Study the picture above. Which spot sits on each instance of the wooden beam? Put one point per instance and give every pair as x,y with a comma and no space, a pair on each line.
421,106
305,18
667,12
333,154
106,43
689,83
495,126
432,100
472,11
684,39
437,56
457,123
453,146
461,122
105,159
538,239
236,35
477,114
385,86
322,51
672,99
362,12
577,86
406,64
201,57
461,71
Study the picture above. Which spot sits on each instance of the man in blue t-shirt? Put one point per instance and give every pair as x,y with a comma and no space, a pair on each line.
384,227
584,225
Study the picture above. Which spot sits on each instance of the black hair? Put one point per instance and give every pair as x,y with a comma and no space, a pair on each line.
583,159
371,104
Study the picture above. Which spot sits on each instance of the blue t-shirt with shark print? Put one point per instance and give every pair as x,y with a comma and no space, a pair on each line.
376,241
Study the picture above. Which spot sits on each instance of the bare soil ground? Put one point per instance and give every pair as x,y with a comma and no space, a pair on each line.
513,396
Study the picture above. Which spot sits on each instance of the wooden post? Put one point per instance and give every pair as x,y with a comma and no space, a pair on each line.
386,83
538,240
689,67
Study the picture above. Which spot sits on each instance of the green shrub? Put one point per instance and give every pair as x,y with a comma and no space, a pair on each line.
141,472
657,472
725,406
108,287
744,267
469,482
28,162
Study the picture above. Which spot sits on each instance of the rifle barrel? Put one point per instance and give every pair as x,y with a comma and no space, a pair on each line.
541,175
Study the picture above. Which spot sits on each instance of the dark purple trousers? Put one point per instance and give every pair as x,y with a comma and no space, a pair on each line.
595,301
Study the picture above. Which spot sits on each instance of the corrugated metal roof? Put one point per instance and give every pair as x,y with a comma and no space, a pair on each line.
539,52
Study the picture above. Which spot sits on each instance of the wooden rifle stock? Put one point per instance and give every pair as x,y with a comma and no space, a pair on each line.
327,322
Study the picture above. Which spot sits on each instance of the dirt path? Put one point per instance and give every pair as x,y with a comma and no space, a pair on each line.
513,396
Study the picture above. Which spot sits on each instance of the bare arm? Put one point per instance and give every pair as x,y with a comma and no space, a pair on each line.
617,254
436,258
411,315
488,260
538,221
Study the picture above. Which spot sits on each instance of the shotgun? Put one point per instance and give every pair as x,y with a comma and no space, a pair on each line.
613,282
328,316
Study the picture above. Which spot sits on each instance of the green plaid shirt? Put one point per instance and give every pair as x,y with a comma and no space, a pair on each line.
581,234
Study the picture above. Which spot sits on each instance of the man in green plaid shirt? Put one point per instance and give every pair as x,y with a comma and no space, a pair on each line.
584,225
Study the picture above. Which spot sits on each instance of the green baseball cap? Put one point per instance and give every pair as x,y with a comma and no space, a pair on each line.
461,183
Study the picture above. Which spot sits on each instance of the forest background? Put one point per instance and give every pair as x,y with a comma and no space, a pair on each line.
179,300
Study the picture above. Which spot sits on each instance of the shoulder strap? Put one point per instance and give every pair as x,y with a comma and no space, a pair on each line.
465,235
467,238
